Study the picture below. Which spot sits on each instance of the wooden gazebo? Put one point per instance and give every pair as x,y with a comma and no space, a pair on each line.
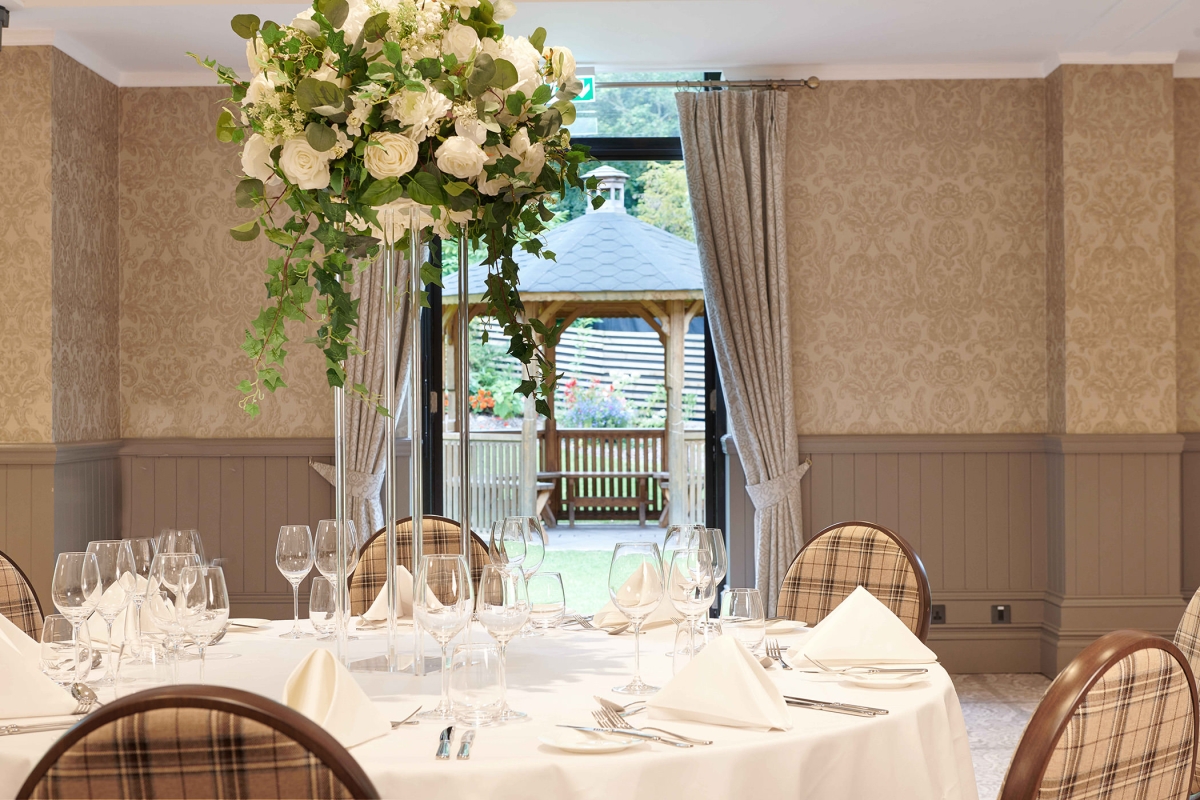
608,264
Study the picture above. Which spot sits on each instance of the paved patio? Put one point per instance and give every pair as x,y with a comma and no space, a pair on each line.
602,535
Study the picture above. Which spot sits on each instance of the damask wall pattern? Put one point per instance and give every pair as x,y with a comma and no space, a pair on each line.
1119,248
188,290
1187,253
916,235
86,272
25,248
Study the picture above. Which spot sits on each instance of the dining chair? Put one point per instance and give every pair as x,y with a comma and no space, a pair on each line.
197,742
18,601
1187,639
847,555
1118,723
439,535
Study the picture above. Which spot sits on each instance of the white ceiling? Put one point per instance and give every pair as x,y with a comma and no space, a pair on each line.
142,42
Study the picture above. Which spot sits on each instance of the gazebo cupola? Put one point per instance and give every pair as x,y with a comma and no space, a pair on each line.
611,188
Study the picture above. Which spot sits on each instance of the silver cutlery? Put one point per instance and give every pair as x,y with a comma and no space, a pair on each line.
832,709
614,720
581,621
85,696
650,737
407,720
870,670
443,751
776,653
616,630
624,711
13,730
464,747
875,712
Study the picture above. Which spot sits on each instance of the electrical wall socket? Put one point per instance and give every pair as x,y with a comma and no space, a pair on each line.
938,615
1001,615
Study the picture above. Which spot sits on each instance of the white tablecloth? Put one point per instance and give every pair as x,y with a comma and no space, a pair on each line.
917,751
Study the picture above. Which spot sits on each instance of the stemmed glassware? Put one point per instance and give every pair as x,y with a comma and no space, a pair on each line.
720,568
162,595
508,542
503,608
184,540
535,554
325,557
635,584
294,558
691,590
118,581
143,550
442,603
682,537
203,606
76,589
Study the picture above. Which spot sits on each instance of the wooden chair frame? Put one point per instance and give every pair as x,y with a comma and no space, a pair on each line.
923,591
37,600
1064,696
252,706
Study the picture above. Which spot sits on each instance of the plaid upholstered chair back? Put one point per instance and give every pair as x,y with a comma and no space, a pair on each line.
197,742
18,602
1119,723
1187,639
848,555
440,535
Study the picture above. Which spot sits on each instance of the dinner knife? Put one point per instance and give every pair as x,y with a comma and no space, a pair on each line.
41,727
834,703
443,751
464,747
624,732
854,712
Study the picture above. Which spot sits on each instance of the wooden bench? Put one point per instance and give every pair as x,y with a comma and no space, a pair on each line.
641,499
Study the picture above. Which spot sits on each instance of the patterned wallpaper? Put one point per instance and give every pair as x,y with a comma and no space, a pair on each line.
1187,252
25,252
917,244
1118,174
188,290
86,268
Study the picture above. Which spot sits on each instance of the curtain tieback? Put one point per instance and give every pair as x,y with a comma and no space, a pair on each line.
774,491
358,484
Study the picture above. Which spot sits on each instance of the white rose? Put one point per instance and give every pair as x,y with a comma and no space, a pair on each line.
471,128
256,53
461,40
526,59
360,12
533,156
256,159
502,10
303,165
460,157
441,226
562,60
261,87
393,156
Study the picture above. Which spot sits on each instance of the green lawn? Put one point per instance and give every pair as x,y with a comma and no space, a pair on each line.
584,574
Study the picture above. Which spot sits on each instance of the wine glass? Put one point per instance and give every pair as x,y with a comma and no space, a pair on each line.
294,558
329,531
143,550
76,588
508,542
181,541
64,660
682,537
442,604
691,590
720,555
535,555
162,596
322,609
742,615
203,606
547,600
635,584
502,608
114,558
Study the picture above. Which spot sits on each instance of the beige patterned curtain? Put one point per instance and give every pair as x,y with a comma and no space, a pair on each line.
365,448
734,152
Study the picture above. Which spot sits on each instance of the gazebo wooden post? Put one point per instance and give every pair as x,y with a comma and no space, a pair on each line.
676,328
527,500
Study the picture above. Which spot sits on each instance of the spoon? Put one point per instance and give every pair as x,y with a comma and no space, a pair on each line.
85,696
620,709
406,720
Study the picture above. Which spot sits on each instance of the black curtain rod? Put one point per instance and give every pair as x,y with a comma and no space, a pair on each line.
808,83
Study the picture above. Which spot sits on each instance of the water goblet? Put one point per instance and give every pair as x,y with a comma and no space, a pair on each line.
508,542
65,659
162,596
547,600
325,556
476,685
322,609
635,584
742,616
690,589
442,603
76,588
535,555
294,558
114,558
203,606
503,608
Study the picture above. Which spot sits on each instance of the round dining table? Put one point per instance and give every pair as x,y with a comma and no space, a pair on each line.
918,750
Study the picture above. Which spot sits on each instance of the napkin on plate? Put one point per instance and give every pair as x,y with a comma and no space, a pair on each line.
323,690
378,609
24,690
863,630
723,685
610,616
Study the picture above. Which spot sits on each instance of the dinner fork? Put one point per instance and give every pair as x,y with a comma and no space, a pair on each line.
611,719
582,622
636,707
868,670
776,653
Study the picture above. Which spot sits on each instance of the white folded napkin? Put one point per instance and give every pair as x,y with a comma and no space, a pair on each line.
323,690
723,685
610,616
863,630
378,609
24,690
99,629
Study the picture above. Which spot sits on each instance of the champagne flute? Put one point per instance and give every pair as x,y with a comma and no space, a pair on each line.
181,541
203,606
635,584
76,589
691,590
508,542
162,595
114,558
144,550
503,608
442,604
326,558
294,558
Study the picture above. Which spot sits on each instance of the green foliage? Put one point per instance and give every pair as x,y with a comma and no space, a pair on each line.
664,199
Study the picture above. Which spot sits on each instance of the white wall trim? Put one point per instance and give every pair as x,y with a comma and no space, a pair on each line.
88,58
28,37
1187,69
166,79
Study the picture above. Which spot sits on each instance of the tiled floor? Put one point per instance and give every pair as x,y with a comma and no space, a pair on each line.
996,708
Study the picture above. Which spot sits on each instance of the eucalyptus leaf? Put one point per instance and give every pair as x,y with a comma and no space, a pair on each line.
312,94
482,72
335,11
567,110
393,52
321,137
548,124
245,25
375,28
538,39
225,126
506,74
541,94
249,193
246,232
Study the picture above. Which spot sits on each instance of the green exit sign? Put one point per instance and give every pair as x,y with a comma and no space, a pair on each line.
588,95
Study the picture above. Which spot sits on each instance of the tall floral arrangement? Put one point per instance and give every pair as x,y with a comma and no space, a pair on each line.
357,112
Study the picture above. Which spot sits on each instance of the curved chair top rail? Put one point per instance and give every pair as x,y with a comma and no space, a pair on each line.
37,600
